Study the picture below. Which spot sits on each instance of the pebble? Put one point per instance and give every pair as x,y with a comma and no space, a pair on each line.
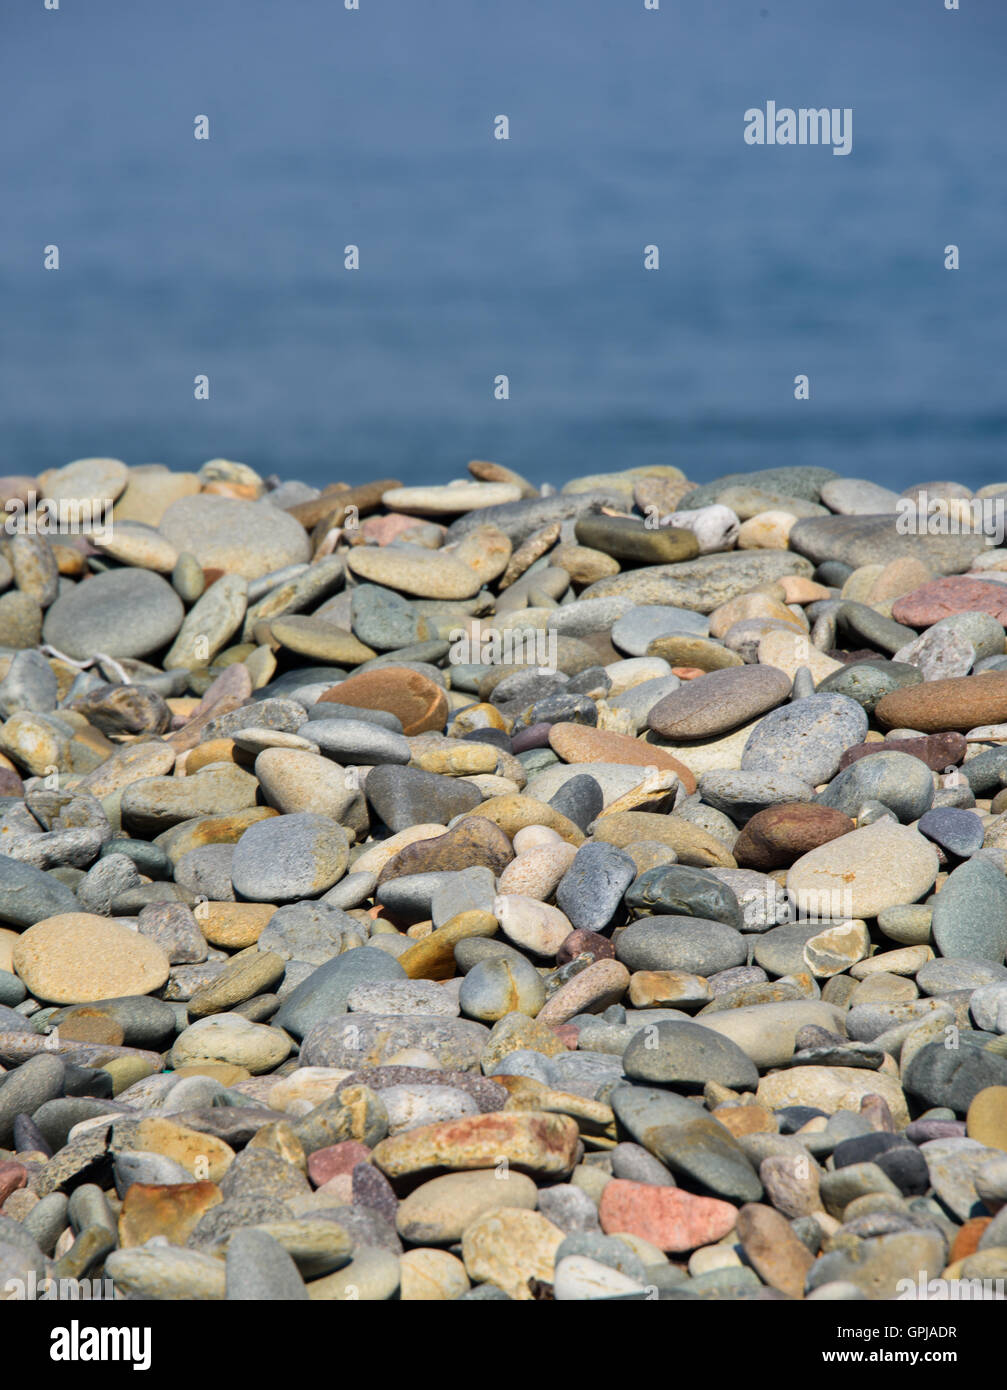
416,701
805,739
594,885
123,613
970,913
77,957
860,874
899,781
868,682
692,944
440,1210
498,986
718,702
960,703
289,857
666,1217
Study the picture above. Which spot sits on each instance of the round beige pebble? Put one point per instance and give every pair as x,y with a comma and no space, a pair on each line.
78,957
428,1276
534,926
536,873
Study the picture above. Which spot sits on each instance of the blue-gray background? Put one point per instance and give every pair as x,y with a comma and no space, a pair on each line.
481,256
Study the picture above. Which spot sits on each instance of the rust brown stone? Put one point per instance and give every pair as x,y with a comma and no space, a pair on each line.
961,702
421,704
775,837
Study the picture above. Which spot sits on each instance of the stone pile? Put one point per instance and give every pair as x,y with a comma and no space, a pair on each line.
479,892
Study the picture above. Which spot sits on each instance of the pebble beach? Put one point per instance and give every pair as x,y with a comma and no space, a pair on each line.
481,891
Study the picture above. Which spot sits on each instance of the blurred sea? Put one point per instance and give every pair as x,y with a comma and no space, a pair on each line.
524,257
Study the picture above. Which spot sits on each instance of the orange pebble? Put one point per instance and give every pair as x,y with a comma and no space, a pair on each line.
967,1240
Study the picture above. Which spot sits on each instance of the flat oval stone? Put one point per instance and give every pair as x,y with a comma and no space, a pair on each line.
420,704
767,1033
970,913
385,620
719,701
154,804
76,958
690,1055
86,480
862,873
938,653
236,536
579,743
694,653
689,1141
406,796
501,985
666,1217
831,1088
413,570
953,1078
858,497
805,739
532,925
775,837
473,843
166,1272
402,997
325,992
628,539
961,703
294,780
123,612
702,584
984,634
536,1143
229,1037
369,1040
535,872
866,540
450,499
413,1106
938,751
289,857
602,983
439,1210
692,944
29,895
638,627
742,795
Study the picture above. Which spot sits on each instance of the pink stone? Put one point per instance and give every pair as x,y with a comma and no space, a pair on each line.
339,1189
12,1176
382,530
941,598
336,1159
669,1218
